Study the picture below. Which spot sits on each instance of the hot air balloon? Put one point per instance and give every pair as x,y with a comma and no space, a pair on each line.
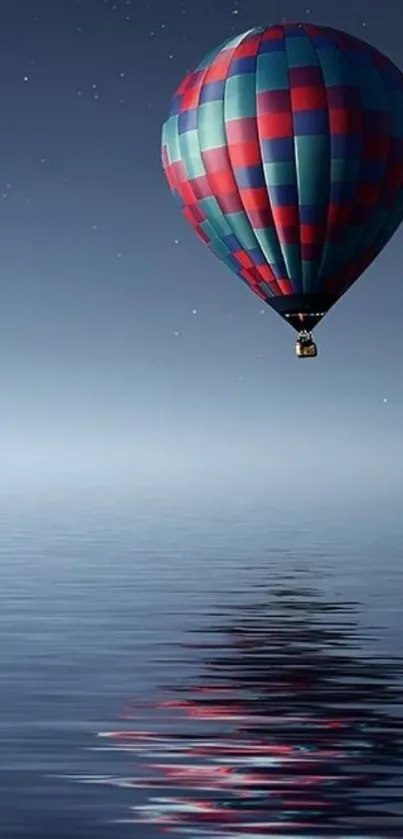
284,148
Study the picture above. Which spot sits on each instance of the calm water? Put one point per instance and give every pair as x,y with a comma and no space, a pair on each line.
200,664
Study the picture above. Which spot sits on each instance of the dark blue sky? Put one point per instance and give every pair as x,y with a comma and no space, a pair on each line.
123,340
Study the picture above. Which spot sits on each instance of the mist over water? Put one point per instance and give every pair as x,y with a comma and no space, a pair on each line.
200,661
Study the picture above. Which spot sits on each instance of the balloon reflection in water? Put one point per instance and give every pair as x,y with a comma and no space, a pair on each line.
289,731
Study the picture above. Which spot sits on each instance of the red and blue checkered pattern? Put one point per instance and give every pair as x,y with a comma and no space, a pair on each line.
285,150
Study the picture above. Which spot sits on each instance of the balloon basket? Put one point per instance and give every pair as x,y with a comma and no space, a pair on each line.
305,346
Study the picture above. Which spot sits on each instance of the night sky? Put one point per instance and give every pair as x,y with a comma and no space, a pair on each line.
125,344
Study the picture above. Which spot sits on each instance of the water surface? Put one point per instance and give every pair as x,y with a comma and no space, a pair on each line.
198,663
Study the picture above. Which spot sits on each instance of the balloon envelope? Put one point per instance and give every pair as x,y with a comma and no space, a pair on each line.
285,150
